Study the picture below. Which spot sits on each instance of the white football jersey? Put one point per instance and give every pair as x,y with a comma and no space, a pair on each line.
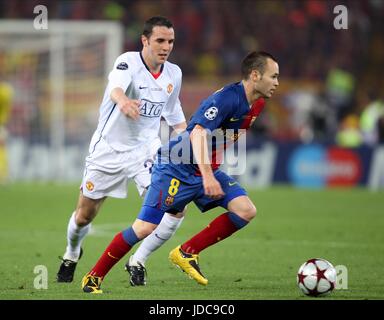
159,98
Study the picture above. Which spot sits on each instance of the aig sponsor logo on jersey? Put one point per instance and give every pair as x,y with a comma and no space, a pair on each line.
151,109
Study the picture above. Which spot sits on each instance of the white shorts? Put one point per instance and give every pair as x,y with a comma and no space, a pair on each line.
107,171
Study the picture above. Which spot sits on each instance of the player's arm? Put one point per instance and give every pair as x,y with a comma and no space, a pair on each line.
212,187
119,79
180,127
127,106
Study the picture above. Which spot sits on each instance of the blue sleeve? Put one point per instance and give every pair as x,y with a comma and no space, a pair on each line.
215,110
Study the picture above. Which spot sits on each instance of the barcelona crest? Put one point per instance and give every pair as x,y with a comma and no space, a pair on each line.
169,200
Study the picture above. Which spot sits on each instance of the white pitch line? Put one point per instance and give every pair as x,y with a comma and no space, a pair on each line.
107,230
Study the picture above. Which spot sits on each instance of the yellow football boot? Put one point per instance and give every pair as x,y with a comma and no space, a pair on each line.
91,284
188,263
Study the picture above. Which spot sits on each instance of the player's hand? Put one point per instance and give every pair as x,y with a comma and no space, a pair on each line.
130,108
212,188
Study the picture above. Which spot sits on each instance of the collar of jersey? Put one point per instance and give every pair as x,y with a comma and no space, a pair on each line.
142,59
240,84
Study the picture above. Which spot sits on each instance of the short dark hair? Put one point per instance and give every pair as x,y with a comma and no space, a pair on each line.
255,60
153,22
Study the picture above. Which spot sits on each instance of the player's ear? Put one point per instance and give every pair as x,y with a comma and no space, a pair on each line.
255,75
144,40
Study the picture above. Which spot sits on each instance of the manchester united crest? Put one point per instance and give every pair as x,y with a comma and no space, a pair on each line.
169,88
89,185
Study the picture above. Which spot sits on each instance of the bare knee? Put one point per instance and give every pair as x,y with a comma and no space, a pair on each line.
84,217
248,212
243,207
143,228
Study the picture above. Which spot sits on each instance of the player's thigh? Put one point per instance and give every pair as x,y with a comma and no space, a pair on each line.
232,190
142,178
168,192
140,169
105,173
98,183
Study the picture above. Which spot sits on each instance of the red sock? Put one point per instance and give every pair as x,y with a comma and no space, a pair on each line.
219,229
114,252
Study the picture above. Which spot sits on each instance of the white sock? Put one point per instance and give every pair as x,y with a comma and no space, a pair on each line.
165,230
75,236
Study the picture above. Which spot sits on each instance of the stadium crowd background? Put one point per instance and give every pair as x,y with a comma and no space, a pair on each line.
331,87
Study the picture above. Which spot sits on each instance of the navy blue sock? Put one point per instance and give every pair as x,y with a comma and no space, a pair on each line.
130,236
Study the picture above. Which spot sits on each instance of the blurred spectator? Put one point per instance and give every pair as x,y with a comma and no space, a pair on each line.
113,11
6,94
371,121
231,29
340,86
207,65
213,35
349,135
311,117
380,129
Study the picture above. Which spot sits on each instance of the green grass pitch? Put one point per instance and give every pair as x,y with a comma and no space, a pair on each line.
344,226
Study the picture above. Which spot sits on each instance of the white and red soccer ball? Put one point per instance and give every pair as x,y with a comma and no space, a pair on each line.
316,277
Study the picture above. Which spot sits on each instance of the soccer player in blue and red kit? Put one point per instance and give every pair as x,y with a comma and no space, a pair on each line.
186,171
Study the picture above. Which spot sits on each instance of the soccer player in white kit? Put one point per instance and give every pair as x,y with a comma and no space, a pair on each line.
142,88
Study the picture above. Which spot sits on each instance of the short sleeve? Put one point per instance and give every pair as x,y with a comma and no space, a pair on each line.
214,111
120,76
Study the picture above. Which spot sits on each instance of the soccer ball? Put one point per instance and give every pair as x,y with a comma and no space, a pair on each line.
316,277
